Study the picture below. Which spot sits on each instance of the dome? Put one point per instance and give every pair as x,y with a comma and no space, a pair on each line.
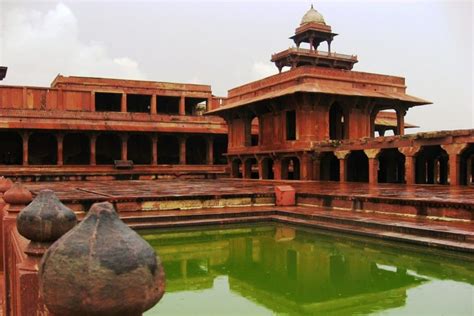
312,16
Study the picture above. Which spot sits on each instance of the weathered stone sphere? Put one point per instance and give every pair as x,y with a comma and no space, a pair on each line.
17,194
45,219
101,267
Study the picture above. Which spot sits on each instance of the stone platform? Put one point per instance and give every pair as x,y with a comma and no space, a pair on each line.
434,215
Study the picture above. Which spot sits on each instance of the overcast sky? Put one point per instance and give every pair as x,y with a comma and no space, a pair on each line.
229,43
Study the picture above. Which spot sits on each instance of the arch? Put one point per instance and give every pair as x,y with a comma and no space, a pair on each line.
391,166
267,168
251,168
76,149
337,123
467,165
11,148
196,149
290,168
236,168
357,166
108,148
42,149
329,167
220,148
139,149
168,149
431,165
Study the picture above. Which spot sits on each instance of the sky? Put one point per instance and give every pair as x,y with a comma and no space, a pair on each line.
229,43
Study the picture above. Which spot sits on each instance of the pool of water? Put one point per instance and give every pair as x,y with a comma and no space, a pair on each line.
282,270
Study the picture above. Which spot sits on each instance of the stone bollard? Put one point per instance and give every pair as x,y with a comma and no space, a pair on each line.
5,185
101,267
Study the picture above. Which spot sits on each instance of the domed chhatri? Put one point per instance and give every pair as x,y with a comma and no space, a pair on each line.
101,267
312,16
45,219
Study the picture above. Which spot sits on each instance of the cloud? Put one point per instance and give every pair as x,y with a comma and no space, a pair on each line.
263,69
36,46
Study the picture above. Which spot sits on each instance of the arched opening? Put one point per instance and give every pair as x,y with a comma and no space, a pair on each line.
139,149
168,150
357,167
196,149
11,148
76,149
251,168
220,148
255,131
236,168
337,123
467,166
108,149
391,166
290,168
267,169
432,165
329,167
42,149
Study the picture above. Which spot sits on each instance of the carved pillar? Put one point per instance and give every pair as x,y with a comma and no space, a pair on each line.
210,150
182,106
342,156
153,108
400,122
373,164
277,166
410,153
123,104
317,167
124,138
154,149
306,167
93,141
92,101
25,137
454,152
182,150
60,140
260,168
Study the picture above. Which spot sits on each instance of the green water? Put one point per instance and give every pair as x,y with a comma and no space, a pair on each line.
273,269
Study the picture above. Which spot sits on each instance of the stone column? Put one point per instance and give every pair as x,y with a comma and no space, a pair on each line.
410,153
25,137
317,166
246,169
92,101
342,156
153,108
182,106
260,168
60,140
306,167
454,152
123,104
154,149
124,138
210,150
372,154
277,165
400,122
182,150
93,141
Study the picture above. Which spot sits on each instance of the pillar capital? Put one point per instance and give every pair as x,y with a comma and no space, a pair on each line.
342,154
409,151
454,149
372,153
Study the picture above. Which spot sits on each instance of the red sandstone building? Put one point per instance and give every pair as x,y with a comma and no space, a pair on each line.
317,121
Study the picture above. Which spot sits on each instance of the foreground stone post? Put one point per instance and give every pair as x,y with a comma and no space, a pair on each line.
43,221
16,198
101,267
5,185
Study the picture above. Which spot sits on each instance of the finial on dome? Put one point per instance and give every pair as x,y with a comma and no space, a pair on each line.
312,16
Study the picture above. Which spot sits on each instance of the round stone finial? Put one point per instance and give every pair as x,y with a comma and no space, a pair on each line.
5,184
101,267
45,219
17,194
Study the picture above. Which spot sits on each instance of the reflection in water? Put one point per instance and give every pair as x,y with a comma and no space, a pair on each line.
257,270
